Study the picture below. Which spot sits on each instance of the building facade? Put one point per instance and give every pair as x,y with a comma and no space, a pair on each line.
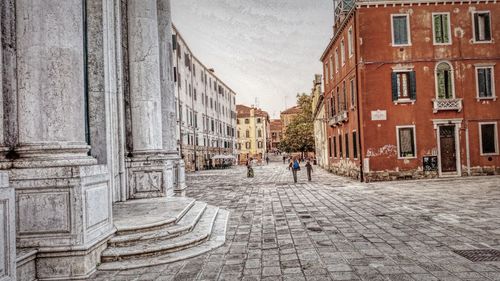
422,103
287,117
253,128
88,125
318,110
276,131
206,110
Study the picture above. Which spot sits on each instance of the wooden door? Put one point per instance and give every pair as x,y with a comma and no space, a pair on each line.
448,149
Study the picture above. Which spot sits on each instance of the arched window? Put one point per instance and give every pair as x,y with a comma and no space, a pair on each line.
444,81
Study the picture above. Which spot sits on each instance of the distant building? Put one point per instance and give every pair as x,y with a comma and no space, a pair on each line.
252,132
206,109
276,134
318,110
410,89
288,115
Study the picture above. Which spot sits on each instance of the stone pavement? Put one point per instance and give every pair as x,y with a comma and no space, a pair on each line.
336,229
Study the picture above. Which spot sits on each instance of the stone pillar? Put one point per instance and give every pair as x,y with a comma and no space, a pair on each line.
169,117
150,172
7,230
63,198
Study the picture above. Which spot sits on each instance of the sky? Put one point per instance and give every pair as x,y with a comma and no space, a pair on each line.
267,51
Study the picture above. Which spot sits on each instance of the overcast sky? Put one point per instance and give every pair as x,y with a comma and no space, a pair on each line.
267,50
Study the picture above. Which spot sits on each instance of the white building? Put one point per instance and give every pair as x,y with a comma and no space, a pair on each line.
206,114
318,109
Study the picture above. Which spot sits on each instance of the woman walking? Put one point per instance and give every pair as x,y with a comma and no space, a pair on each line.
295,167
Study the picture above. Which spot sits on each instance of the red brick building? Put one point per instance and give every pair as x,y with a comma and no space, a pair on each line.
410,89
276,134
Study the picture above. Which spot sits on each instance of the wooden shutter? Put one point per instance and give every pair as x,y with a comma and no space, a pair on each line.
481,82
438,32
446,36
487,33
396,29
394,82
413,86
476,26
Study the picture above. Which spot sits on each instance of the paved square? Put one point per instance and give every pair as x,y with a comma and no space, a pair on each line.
336,229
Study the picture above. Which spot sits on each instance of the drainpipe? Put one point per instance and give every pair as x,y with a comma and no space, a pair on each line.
467,149
361,175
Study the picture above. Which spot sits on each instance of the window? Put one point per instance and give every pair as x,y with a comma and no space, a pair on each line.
400,30
331,68
258,121
247,133
238,121
259,133
238,134
340,146
247,121
444,81
482,27
259,144
248,145
345,95
335,147
336,60
403,85
441,28
330,147
342,52
489,138
346,145
350,42
354,145
353,93
326,73
485,84
406,141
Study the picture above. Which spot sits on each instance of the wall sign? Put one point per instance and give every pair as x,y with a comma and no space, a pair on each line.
379,115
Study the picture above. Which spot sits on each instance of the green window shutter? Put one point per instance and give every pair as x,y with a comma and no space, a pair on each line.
487,78
476,26
446,36
413,86
481,81
487,33
440,82
394,83
438,35
404,31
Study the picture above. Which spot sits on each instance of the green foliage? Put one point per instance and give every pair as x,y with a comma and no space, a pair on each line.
299,135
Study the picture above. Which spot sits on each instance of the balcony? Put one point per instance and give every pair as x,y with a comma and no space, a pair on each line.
338,119
447,104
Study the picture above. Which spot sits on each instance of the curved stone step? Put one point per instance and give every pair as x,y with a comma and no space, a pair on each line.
167,211
185,224
217,239
199,234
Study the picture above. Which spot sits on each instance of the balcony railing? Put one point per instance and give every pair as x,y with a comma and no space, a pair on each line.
338,119
447,104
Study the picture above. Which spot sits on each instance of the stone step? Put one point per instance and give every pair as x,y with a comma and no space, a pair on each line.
166,212
216,239
185,224
200,233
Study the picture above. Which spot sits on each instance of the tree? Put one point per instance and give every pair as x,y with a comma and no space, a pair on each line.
299,135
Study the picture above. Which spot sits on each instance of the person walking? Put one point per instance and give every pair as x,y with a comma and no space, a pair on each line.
267,160
295,167
249,168
284,159
309,170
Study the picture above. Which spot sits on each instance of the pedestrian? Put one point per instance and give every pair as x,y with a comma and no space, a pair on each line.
309,170
267,160
284,159
249,168
295,167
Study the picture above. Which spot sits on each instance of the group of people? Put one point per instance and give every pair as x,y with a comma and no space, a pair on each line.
293,165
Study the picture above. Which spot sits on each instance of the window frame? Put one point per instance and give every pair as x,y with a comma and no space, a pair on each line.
350,41
482,66
452,72
408,32
448,27
342,51
495,138
414,141
408,99
336,60
474,41
355,152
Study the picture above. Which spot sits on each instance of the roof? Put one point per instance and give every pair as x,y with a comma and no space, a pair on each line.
276,125
244,111
292,110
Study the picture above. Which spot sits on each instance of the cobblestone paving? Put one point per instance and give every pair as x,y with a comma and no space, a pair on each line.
337,229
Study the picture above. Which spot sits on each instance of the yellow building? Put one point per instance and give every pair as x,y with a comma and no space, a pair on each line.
252,132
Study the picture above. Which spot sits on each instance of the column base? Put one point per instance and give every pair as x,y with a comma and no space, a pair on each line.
7,225
181,177
150,176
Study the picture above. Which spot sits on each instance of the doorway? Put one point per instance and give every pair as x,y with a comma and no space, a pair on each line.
448,163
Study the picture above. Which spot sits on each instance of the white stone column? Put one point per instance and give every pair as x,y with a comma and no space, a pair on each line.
50,70
144,67
7,230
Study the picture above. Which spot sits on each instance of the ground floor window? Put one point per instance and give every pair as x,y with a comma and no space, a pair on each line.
354,145
330,147
489,138
406,141
340,146
346,145
335,147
